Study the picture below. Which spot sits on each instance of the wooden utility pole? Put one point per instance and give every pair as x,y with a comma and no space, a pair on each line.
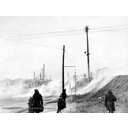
88,63
34,76
43,71
34,79
69,83
63,68
40,76
75,77
75,81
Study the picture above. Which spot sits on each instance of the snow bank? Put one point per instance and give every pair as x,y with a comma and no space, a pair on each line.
102,77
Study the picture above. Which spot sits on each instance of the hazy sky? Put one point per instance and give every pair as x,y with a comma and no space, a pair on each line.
19,58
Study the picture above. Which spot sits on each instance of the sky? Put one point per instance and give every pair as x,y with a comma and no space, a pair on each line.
24,47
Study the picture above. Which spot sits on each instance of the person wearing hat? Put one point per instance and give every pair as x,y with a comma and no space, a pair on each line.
37,102
109,101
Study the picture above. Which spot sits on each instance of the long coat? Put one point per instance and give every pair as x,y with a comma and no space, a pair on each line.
61,103
37,102
109,102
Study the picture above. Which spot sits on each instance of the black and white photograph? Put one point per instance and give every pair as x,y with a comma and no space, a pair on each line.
63,64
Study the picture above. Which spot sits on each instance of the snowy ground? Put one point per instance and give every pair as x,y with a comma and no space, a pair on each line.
114,79
19,105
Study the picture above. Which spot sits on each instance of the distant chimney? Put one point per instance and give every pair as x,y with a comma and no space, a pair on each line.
40,76
43,71
45,76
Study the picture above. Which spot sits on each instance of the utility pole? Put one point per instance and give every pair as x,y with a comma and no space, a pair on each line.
34,79
69,83
88,63
34,75
42,74
63,68
68,76
75,81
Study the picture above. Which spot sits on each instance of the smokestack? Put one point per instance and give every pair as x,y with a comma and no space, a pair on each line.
45,76
40,76
43,71
34,75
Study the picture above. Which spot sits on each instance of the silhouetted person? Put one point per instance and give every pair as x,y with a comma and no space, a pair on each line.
64,95
37,102
62,101
60,104
109,102
30,105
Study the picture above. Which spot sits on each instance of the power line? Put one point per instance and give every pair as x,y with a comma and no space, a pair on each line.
34,44
49,33
54,58
65,31
54,32
68,32
69,57
42,36
108,29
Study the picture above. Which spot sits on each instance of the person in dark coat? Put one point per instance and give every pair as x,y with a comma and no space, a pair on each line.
60,104
30,105
37,102
109,102
64,95
62,101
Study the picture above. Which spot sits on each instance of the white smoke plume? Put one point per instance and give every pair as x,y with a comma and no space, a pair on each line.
102,77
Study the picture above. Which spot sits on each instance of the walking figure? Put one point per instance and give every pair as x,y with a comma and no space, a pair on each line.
30,105
36,103
62,101
64,95
109,102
